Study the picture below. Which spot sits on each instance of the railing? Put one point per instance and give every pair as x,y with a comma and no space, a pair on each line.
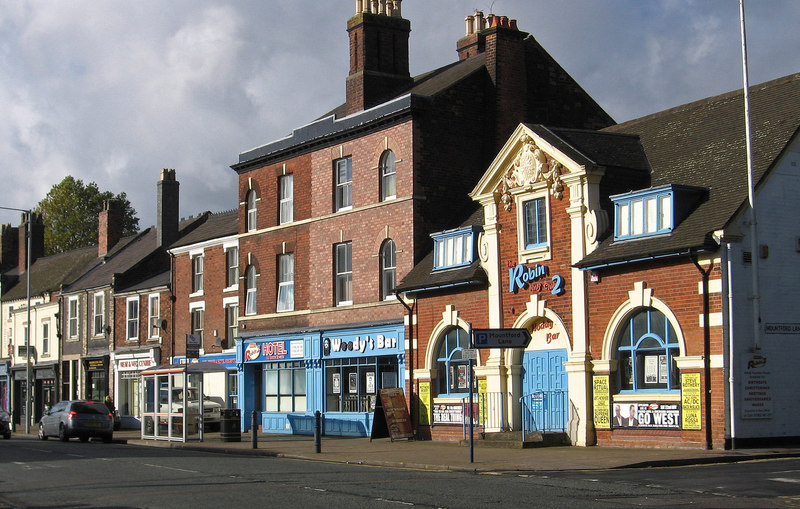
545,411
488,411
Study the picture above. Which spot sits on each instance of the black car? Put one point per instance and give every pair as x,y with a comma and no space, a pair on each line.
82,419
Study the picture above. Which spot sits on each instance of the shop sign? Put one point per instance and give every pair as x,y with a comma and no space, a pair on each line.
395,411
193,346
274,351
135,364
690,401
424,403
367,344
95,365
602,401
533,279
453,413
647,415
757,388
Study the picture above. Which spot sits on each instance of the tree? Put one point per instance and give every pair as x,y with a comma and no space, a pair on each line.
70,210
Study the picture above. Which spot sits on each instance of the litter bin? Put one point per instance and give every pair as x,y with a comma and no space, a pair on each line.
230,426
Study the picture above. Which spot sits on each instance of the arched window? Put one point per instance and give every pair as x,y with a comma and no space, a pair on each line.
251,278
453,370
647,347
388,270
252,211
388,173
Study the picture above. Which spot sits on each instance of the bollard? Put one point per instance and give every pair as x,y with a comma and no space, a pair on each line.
254,429
317,432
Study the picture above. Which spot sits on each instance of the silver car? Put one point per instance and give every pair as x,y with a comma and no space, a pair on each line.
82,419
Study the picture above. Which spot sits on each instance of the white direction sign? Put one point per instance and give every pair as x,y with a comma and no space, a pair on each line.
500,338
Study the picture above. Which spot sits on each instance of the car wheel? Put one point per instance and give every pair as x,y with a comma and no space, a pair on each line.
107,439
7,436
83,438
42,435
62,433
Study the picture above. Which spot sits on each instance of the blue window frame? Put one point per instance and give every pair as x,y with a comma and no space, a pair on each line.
453,248
644,213
535,219
647,348
453,369
285,386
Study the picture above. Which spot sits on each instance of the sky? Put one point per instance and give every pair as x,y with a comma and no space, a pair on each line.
111,91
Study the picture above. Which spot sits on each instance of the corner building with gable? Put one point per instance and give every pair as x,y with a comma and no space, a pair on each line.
335,214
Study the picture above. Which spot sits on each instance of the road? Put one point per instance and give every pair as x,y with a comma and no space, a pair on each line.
35,474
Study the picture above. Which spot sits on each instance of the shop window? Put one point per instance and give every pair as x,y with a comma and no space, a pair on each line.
344,274
388,176
72,317
285,282
132,318
453,369
99,313
286,203
388,270
232,266
285,386
647,348
252,211
352,385
454,248
344,183
251,278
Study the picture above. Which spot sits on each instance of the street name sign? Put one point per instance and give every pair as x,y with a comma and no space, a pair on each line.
500,338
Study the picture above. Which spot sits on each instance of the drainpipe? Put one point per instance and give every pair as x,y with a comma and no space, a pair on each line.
726,254
410,359
706,347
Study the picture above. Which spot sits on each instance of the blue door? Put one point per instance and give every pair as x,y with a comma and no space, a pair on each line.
544,385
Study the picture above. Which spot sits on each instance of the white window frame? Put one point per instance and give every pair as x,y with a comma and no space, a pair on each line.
533,252
197,309
388,268
251,291
286,198
231,305
45,336
198,261
73,325
231,271
154,315
343,268
388,174
251,207
132,307
285,283
455,248
644,214
344,186
99,297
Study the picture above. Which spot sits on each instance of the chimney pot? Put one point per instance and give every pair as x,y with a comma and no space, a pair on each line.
470,25
513,24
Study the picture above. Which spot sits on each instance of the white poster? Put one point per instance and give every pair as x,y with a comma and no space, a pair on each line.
756,388
651,369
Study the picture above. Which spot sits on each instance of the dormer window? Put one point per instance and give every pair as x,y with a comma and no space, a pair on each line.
644,213
454,248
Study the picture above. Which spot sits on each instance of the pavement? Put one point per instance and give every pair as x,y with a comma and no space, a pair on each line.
452,456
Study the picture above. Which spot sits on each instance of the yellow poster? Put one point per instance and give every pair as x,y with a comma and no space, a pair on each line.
424,402
602,401
482,391
690,401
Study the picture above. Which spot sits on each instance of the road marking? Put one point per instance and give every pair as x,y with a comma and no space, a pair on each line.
785,479
76,455
393,501
173,468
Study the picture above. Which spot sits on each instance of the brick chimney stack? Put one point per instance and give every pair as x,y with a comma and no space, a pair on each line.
109,227
379,63
167,227
37,240
9,248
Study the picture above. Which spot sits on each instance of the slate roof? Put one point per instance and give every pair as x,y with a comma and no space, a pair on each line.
50,272
423,278
214,226
702,144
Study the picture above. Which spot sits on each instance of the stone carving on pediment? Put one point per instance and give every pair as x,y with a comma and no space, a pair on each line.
530,167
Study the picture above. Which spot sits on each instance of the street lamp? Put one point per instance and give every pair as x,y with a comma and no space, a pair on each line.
28,234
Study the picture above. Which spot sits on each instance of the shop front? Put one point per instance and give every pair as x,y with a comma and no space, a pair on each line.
287,378
19,395
44,395
5,389
128,364
96,370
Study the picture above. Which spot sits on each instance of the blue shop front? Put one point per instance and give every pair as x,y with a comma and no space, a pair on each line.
285,378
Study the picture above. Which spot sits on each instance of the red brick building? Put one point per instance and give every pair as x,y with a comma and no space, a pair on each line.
333,215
